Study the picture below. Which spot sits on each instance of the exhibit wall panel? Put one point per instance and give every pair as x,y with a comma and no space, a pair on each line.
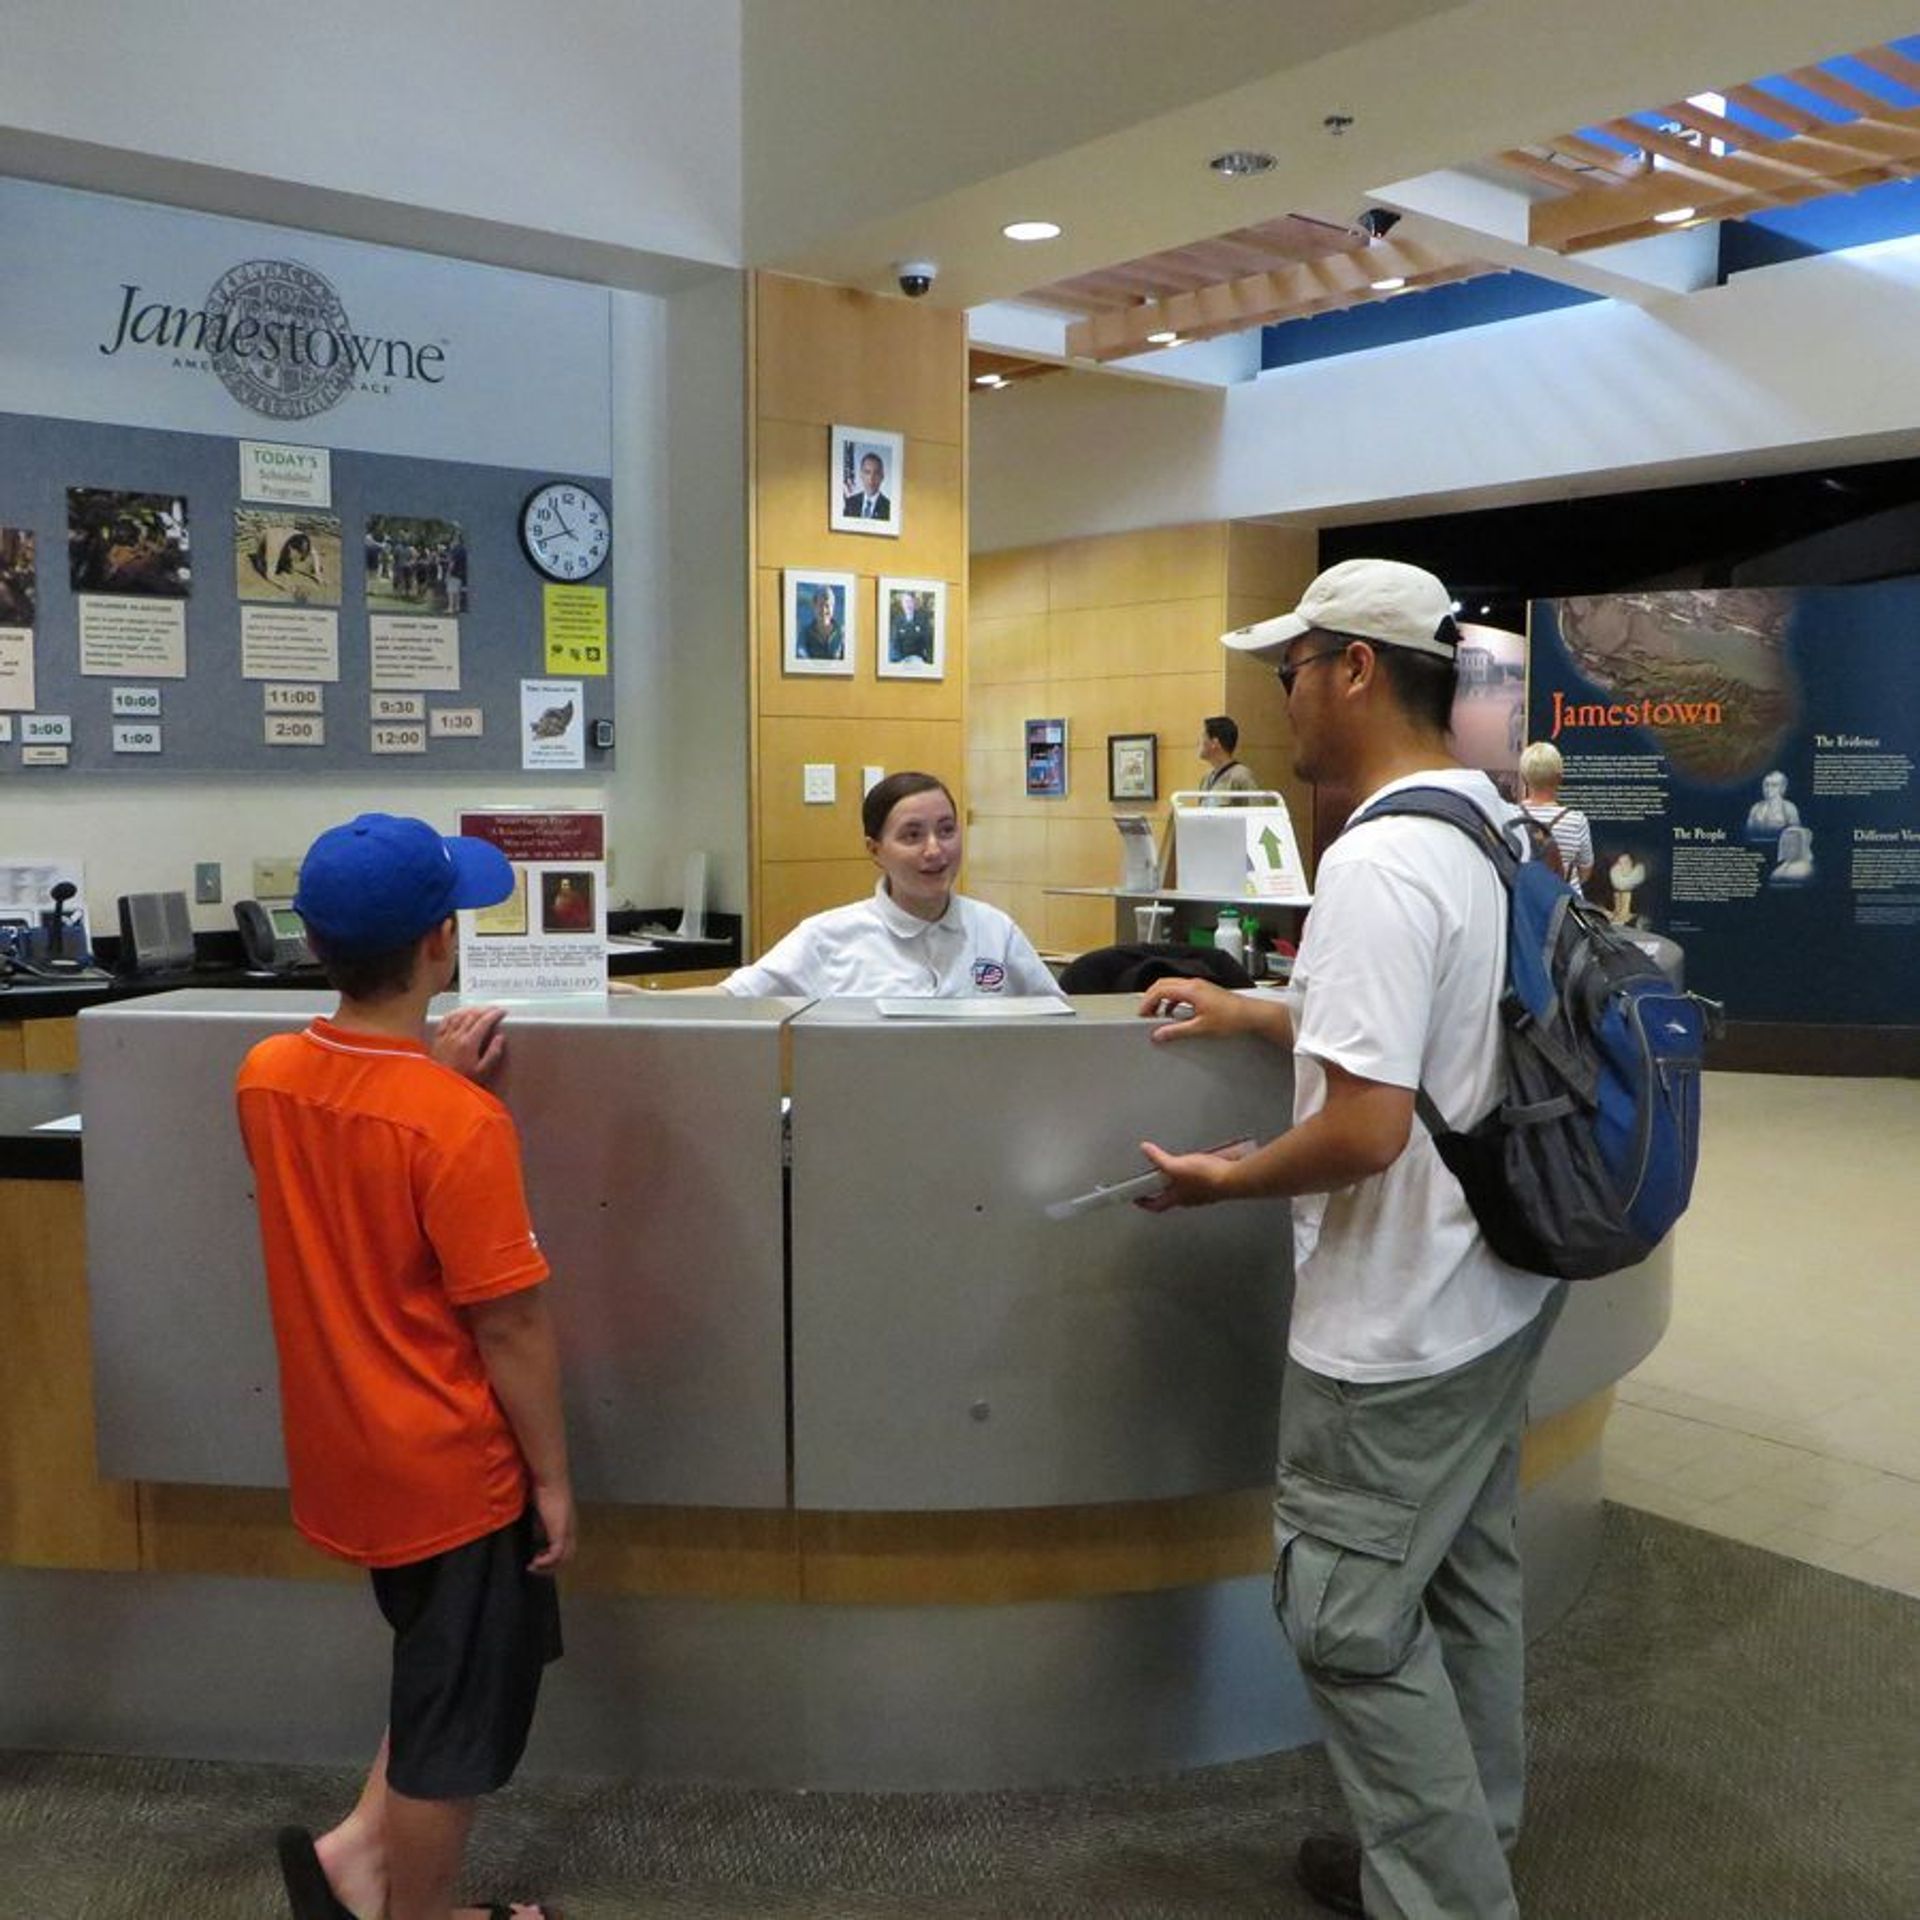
823,357
486,422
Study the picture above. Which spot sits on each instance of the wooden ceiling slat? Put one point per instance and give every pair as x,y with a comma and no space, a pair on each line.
1837,92
1782,113
1715,126
1891,64
1759,170
1838,158
1566,179
1602,159
1312,286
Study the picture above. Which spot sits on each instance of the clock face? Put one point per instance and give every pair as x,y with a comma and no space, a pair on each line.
566,531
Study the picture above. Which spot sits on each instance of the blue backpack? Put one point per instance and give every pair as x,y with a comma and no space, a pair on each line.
1587,1161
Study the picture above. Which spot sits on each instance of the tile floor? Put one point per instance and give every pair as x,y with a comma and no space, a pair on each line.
1783,1406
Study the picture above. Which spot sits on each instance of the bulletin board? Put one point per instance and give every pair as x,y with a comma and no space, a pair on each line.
523,663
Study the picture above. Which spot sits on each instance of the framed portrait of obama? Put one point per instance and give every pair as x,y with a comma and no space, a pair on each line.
867,481
913,630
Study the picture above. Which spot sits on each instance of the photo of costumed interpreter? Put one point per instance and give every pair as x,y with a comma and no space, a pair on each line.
914,935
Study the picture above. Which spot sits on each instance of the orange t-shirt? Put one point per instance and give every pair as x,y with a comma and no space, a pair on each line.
390,1197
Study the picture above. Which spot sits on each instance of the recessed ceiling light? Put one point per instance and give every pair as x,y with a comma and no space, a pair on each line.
989,379
1392,284
1674,216
1242,161
1031,230
1165,338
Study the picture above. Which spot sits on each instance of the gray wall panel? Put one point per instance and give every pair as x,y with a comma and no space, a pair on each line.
953,1347
637,1116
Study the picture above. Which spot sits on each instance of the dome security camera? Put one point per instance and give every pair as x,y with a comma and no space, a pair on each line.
916,277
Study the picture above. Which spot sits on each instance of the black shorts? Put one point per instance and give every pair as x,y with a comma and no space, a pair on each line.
472,1632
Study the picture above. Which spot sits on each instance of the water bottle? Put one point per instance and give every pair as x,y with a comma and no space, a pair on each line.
1226,935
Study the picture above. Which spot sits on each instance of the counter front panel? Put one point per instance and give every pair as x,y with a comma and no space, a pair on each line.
651,1131
955,1347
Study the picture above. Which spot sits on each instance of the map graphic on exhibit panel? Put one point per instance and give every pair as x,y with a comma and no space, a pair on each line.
1746,757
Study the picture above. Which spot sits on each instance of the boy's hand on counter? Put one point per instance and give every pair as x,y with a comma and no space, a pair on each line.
469,1041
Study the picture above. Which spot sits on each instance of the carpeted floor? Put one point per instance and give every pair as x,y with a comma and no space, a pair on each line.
1719,1734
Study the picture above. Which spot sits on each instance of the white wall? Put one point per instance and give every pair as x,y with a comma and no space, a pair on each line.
613,122
680,467
1780,368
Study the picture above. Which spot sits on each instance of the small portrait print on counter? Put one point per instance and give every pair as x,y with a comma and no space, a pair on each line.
566,902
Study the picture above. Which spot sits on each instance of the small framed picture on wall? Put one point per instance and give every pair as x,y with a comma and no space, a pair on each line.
867,481
1133,770
1046,759
912,641
818,622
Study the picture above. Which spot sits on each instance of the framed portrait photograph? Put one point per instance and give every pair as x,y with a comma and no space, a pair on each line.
1133,766
817,621
867,481
912,641
1046,759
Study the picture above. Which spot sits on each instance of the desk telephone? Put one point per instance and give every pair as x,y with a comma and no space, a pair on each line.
273,936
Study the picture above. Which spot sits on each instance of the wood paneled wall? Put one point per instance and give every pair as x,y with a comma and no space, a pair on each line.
1118,633
823,356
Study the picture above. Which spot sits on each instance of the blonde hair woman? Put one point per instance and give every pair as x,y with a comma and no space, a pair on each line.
1541,771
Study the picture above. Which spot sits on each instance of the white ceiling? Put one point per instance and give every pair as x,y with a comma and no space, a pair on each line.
1428,87
655,140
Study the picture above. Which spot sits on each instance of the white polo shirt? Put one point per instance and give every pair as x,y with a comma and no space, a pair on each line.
1399,976
876,947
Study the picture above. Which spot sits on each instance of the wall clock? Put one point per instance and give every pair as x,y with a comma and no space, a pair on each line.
565,530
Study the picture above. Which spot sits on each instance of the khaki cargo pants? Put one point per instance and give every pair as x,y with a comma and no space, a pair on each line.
1398,1584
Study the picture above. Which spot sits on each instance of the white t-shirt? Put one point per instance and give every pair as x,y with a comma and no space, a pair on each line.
1399,978
875,947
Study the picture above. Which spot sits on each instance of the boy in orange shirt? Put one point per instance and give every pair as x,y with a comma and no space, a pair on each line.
419,1376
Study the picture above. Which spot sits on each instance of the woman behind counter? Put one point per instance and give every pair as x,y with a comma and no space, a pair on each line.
914,935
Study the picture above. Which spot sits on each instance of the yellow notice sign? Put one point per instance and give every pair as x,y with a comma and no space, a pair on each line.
576,630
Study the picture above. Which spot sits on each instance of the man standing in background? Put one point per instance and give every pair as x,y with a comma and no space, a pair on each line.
1219,737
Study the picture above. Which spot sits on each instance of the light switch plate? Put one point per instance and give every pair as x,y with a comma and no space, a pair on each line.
277,877
817,784
206,883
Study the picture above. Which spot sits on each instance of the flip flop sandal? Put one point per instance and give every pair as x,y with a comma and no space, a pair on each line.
308,1893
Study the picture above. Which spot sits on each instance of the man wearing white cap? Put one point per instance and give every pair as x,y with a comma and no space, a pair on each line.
1411,1345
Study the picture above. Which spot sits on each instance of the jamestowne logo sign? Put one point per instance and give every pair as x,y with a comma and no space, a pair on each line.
279,339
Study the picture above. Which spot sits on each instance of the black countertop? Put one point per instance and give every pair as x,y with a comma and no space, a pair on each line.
27,1099
33,998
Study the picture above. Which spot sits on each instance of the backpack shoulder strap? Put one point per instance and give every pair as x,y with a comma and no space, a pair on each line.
1442,803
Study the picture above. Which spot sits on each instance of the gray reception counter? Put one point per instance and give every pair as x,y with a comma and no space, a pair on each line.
896,1481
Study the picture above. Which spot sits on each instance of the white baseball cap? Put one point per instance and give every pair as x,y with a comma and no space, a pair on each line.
1385,601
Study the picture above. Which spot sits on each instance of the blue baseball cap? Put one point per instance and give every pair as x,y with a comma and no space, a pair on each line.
382,881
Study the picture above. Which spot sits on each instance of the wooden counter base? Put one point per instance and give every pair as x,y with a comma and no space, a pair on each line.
55,1513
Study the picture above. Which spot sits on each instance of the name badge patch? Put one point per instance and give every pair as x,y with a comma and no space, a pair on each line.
989,976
